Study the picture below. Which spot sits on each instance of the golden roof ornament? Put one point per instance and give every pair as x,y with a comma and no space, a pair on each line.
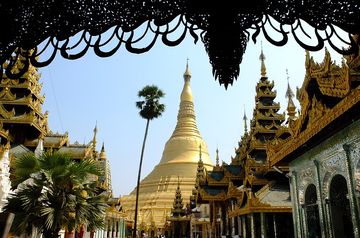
262,59
289,95
217,157
245,122
102,152
94,138
187,73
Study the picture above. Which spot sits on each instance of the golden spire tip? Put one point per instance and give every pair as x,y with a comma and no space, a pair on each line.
262,59
187,73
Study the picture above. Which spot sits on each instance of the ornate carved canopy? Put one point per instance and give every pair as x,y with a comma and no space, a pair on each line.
223,27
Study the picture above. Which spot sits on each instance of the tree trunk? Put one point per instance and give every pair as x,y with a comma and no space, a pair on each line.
139,175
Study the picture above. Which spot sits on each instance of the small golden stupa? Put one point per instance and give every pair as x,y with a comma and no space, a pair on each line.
179,159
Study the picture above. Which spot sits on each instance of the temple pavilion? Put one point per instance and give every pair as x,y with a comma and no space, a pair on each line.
179,159
246,197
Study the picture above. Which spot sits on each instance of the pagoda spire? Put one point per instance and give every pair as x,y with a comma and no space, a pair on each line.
187,73
186,119
102,152
178,206
217,157
245,122
289,95
262,59
94,138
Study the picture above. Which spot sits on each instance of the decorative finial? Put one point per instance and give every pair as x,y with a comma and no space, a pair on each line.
103,147
94,138
245,121
187,74
217,157
262,59
289,95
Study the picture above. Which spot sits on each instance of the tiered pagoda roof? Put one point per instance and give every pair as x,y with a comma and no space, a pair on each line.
20,105
178,206
248,178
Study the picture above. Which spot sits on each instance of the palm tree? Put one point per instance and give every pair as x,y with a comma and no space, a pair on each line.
54,192
150,108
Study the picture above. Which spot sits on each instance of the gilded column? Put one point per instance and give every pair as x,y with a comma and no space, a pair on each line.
243,218
252,224
263,225
352,198
239,226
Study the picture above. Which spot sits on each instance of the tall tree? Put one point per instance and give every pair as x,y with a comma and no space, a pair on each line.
150,108
53,192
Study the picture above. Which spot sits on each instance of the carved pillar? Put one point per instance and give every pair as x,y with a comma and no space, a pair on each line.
263,225
243,218
303,220
214,225
239,226
352,198
221,221
296,209
252,225
228,219
322,212
232,220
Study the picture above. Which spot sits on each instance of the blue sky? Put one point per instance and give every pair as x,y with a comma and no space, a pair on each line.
93,90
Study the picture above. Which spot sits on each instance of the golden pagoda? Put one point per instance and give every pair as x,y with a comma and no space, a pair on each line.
180,158
20,105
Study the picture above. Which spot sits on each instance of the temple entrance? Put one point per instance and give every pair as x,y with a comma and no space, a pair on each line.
312,212
340,208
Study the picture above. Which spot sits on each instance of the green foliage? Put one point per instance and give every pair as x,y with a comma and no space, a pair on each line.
150,107
54,192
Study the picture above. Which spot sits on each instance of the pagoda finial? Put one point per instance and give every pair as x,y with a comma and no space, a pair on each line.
245,121
103,147
187,74
262,59
217,157
102,152
289,95
94,138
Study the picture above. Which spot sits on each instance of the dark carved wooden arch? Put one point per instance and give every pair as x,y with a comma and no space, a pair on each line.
223,27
